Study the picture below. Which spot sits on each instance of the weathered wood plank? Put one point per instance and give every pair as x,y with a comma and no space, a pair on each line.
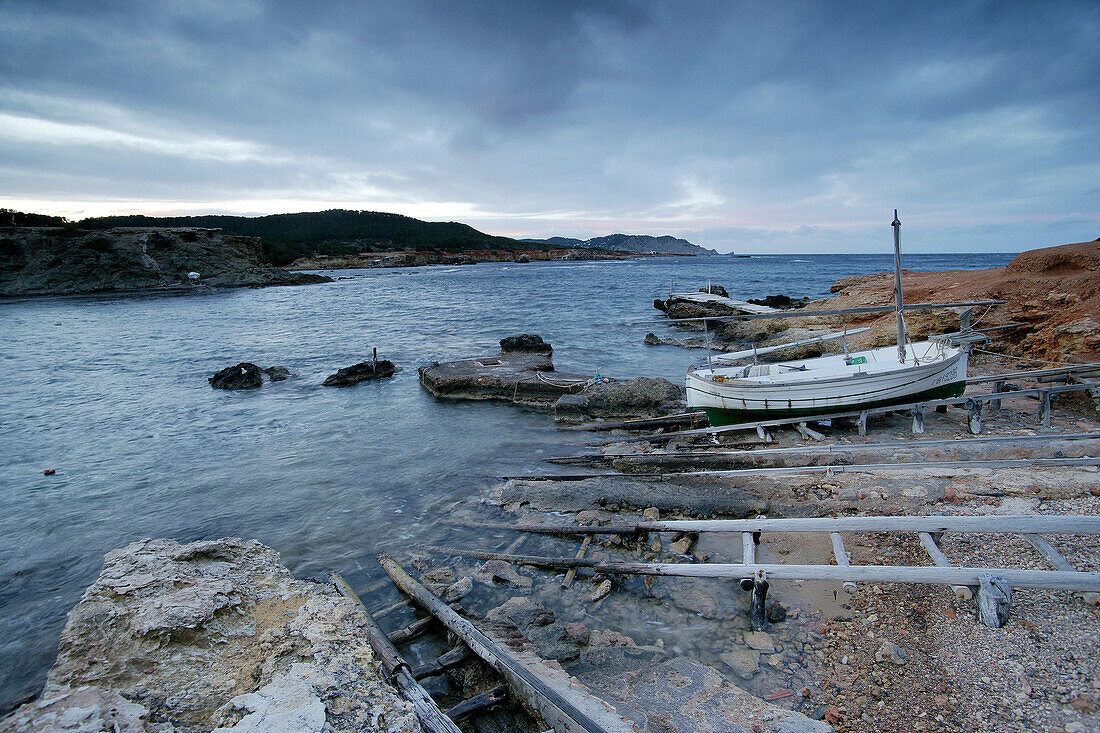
1056,559
842,559
1000,523
429,714
1050,579
934,551
559,705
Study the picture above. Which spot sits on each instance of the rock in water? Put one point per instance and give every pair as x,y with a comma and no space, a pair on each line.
277,373
208,634
243,376
525,342
361,372
640,396
715,290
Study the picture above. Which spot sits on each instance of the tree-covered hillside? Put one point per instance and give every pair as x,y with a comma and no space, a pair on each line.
287,237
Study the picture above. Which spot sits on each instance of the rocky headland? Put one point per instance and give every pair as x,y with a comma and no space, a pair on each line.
70,261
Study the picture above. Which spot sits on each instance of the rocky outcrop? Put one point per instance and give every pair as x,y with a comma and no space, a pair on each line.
518,377
211,635
64,261
242,376
361,372
530,343
1055,290
640,397
780,302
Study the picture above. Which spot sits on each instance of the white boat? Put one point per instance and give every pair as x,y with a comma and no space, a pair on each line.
909,372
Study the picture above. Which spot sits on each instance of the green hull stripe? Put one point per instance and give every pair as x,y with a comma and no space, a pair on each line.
719,416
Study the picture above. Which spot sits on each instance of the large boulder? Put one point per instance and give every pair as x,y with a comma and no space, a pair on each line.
212,634
641,396
245,375
529,343
361,372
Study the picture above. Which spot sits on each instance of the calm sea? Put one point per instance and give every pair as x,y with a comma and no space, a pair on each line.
112,393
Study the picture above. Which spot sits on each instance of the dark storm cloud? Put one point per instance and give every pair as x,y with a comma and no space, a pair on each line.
563,117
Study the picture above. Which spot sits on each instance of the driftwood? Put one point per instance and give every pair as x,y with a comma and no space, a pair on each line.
443,662
429,714
994,599
572,572
413,630
928,542
557,703
1049,579
478,703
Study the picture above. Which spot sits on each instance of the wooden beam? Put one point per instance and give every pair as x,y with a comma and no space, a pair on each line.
1056,559
842,560
429,714
1050,579
831,469
991,523
572,572
934,551
546,698
1093,367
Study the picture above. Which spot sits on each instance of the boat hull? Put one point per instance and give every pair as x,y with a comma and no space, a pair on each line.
805,394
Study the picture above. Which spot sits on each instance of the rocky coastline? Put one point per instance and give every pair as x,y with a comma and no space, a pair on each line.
38,261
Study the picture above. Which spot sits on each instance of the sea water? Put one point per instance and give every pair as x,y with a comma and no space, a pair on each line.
112,393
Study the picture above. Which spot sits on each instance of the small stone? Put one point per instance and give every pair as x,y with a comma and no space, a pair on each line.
681,546
652,514
1075,727
655,545
761,641
743,662
601,592
889,651
832,716
776,613
578,632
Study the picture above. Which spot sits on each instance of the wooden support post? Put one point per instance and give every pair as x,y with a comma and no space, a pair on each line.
928,542
391,608
842,559
918,419
748,557
758,604
862,422
1044,407
809,433
974,416
994,600
571,573
764,434
998,387
1056,559
431,717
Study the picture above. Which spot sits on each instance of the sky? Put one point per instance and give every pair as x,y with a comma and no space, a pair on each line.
749,127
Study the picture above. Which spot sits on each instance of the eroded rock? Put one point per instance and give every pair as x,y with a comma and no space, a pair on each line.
361,372
211,634
245,375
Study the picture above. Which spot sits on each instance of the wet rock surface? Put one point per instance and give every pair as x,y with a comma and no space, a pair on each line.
518,377
211,634
242,376
639,397
63,261
528,343
361,372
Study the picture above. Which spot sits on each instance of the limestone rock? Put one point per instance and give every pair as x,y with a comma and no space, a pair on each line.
744,662
495,570
889,651
640,396
761,641
188,638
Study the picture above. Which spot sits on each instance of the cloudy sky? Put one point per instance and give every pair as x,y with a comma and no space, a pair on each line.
756,127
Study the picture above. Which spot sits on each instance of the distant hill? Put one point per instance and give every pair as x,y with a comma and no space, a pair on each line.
641,243
286,237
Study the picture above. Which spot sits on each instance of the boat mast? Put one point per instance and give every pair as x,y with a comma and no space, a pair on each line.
899,305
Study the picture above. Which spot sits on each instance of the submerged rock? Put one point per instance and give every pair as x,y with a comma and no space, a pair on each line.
213,634
277,373
245,375
361,372
530,343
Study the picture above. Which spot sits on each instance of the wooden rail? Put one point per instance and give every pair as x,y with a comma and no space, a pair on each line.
803,313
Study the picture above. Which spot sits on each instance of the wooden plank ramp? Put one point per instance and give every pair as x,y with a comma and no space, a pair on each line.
993,586
547,691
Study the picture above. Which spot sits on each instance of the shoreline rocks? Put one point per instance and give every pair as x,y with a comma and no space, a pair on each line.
245,375
211,634
529,343
361,372
518,377
63,261
640,397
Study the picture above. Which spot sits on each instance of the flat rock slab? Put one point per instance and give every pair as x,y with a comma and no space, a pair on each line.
522,378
